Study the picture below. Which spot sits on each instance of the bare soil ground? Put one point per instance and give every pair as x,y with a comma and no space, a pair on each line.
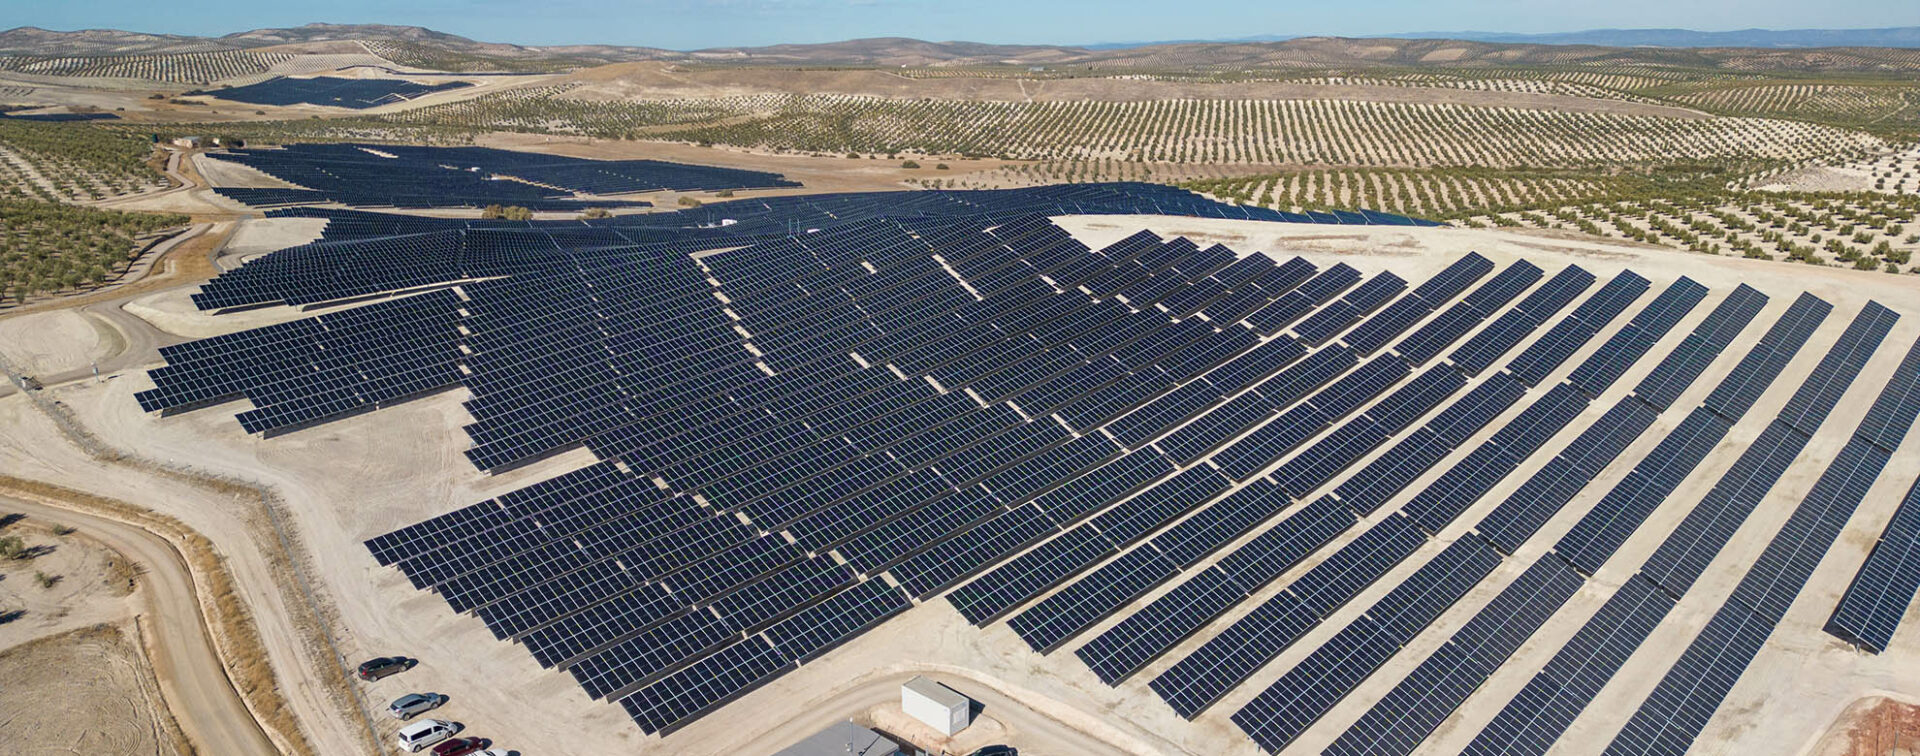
1873,726
54,341
87,583
84,691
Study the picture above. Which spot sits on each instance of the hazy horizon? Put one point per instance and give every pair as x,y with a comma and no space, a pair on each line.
696,24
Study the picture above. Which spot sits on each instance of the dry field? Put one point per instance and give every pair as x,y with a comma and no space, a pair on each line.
84,691
67,581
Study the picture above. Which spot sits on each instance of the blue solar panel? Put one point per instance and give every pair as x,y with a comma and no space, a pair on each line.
1663,386
1146,634
1417,706
1879,595
1536,718
1600,533
1279,714
1639,335
1744,384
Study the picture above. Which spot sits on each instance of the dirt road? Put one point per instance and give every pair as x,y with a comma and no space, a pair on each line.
192,680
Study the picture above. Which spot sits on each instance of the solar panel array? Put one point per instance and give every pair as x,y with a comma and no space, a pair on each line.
1680,706
1879,596
812,418
1283,711
1552,699
357,94
700,559
410,176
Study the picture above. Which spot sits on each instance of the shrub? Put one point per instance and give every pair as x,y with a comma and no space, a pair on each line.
910,165
509,212
11,547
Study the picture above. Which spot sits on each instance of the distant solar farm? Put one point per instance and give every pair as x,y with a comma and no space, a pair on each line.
356,94
392,176
810,414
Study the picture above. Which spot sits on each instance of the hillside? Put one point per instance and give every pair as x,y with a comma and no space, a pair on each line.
417,46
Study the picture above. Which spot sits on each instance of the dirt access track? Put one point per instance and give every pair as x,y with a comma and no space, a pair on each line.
191,678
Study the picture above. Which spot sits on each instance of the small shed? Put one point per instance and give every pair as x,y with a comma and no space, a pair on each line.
936,705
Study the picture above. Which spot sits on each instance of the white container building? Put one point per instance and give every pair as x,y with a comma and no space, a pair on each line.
942,709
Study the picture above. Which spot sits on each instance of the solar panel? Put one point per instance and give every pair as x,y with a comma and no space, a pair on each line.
1680,706
818,629
1663,386
1743,386
1399,721
1639,335
1821,392
1776,578
726,675
986,598
1448,283
1688,548
1283,711
1618,514
1511,524
1541,712
1124,649
1072,610
1879,595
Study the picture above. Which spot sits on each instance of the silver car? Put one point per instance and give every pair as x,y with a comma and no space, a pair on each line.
405,707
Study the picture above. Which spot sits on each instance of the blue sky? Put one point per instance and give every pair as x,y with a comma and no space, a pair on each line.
689,24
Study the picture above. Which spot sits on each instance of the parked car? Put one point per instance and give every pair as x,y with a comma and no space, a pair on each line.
460,747
997,750
424,733
374,669
405,707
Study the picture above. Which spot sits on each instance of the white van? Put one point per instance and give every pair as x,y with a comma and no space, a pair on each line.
424,733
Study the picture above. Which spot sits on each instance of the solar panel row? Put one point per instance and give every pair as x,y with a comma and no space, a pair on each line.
1444,681
1679,708
1284,710
1687,550
1201,678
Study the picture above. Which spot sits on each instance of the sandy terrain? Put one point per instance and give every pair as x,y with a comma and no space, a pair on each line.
1892,172
361,476
92,693
91,584
229,173
51,342
1873,726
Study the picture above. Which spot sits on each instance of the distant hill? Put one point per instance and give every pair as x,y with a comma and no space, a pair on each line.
30,40
1900,36
1896,36
896,51
1759,50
